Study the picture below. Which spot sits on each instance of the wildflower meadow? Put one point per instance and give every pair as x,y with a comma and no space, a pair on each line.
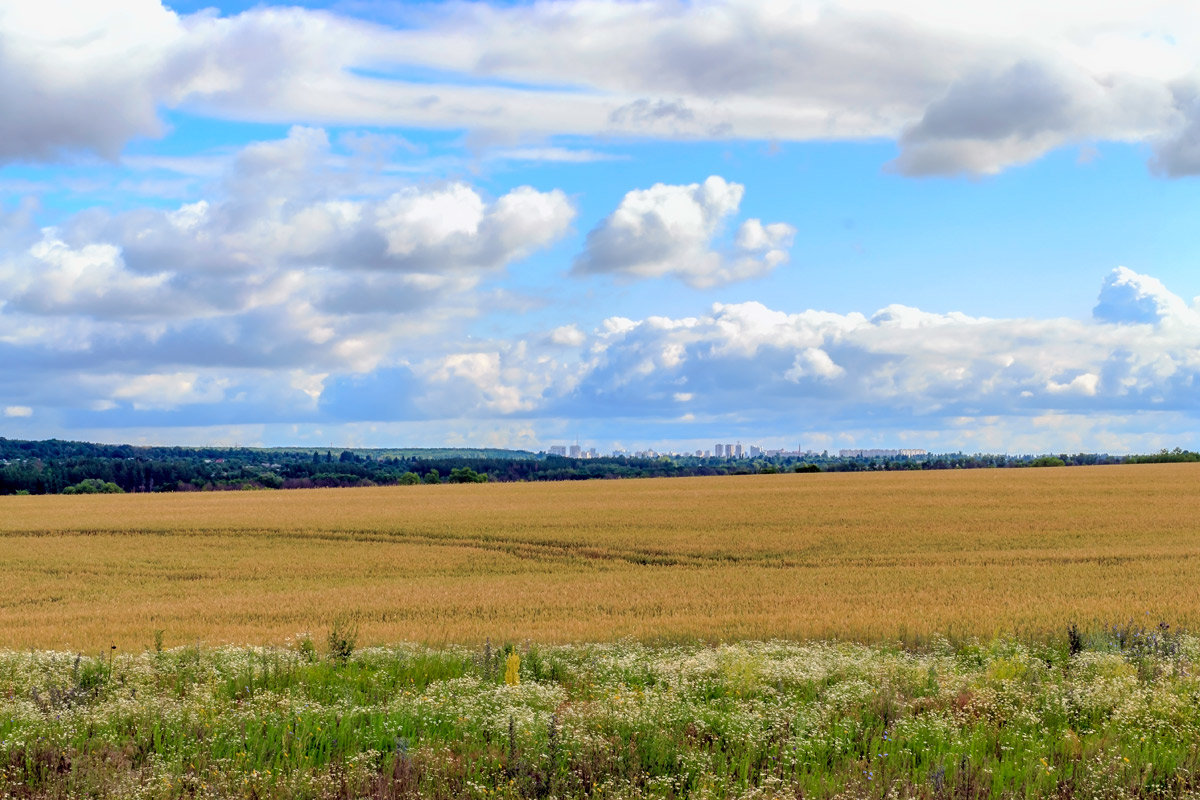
1108,713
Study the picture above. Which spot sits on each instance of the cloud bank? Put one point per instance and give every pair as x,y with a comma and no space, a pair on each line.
283,276
972,90
285,298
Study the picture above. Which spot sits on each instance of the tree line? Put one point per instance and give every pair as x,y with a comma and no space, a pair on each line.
63,467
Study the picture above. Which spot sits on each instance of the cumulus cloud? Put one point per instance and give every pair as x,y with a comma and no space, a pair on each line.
283,204
1129,297
670,230
815,363
951,377
157,391
80,76
281,232
283,267
972,89
1085,383
567,336
90,279
901,363
745,365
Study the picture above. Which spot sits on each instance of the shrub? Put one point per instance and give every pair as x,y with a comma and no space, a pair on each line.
1047,461
94,486
343,636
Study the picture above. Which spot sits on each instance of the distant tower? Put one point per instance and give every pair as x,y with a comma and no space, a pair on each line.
719,450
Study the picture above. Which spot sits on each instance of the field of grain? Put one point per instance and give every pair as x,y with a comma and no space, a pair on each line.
862,556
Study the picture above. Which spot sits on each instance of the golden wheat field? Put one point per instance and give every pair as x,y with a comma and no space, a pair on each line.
867,556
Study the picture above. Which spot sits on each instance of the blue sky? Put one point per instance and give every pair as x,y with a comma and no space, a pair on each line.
646,223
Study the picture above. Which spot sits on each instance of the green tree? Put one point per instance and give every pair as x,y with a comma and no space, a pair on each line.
94,486
1047,461
465,475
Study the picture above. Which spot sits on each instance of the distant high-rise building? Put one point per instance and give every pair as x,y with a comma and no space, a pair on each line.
737,450
557,450
719,450
575,451
755,451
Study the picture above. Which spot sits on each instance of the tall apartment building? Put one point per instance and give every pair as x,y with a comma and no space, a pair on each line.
557,450
575,451
719,450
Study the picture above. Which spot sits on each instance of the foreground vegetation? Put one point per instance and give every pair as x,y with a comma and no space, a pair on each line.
1104,714
870,557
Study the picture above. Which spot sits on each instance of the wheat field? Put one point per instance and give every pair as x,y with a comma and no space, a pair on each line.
866,556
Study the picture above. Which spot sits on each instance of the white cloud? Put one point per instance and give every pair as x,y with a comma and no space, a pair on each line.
289,264
974,88
1084,384
670,230
158,391
555,155
498,385
900,363
18,411
284,231
813,362
947,380
567,336
90,279
1133,298
993,119
84,76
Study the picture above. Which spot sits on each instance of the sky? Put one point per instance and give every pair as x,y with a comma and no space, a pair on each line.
638,224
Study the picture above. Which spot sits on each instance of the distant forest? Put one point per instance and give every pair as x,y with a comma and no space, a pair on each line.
61,467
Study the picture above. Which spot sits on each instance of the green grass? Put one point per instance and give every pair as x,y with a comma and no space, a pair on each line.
1004,718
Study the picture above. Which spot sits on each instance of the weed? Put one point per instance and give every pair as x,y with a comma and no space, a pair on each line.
1074,640
343,636
512,669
